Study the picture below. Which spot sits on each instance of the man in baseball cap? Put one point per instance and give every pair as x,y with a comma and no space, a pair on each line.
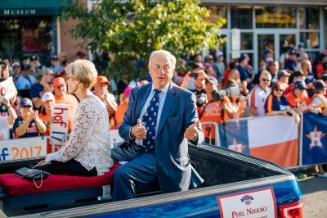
298,98
102,80
28,124
26,103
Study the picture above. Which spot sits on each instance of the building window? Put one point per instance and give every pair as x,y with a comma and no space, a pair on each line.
217,12
241,18
313,54
275,17
309,18
246,41
310,40
21,36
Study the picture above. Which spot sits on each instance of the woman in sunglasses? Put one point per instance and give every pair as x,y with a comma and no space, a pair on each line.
276,103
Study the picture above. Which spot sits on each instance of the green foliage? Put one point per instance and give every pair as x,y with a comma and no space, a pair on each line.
133,29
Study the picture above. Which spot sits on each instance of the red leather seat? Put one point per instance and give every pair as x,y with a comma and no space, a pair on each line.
15,185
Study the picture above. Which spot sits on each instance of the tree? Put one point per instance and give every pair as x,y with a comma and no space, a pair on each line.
133,29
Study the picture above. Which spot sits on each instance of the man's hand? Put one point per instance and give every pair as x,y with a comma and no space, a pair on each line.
6,102
30,117
191,132
138,131
36,115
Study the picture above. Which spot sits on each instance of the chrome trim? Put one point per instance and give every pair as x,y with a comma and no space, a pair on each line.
162,198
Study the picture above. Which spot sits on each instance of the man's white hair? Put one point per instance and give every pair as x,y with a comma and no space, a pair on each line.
265,73
172,58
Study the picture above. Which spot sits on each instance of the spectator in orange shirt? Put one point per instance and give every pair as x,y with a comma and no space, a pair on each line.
297,99
61,96
119,115
296,76
212,111
101,90
320,66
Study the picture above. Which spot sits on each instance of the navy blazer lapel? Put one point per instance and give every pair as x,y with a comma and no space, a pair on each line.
169,101
142,99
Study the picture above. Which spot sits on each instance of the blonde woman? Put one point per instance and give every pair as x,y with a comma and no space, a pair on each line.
87,151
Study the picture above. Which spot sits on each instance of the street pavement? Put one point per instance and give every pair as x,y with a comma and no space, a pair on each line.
314,190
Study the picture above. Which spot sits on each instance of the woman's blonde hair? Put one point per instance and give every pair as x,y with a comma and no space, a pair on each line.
84,71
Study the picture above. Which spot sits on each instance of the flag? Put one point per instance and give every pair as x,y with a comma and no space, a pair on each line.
274,138
314,139
234,136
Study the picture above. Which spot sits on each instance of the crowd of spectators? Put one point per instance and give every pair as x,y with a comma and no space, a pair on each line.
223,91
296,84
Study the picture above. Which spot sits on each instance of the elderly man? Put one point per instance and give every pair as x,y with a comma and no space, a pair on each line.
160,119
259,94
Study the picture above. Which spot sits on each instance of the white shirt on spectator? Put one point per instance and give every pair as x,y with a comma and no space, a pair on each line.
260,97
89,140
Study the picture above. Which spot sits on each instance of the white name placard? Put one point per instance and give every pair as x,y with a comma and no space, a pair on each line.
258,203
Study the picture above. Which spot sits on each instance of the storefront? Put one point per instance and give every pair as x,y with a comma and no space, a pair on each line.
275,25
30,27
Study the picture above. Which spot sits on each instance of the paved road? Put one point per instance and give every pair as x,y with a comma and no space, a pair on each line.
314,190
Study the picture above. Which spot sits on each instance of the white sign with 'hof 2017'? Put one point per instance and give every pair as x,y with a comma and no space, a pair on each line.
258,203
59,124
23,148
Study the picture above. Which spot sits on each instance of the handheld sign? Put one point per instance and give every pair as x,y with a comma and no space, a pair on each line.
253,203
59,125
8,88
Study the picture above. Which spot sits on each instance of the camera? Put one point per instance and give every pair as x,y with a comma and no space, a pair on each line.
220,94
201,99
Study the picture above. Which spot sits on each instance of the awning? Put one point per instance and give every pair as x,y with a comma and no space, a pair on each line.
27,8
268,2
